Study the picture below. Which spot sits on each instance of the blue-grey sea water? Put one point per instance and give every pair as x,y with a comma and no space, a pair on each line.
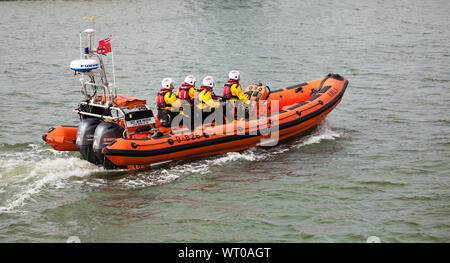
377,166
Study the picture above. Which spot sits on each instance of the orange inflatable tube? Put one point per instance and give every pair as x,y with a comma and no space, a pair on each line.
61,138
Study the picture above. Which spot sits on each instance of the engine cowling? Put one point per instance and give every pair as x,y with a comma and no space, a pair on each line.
85,138
105,134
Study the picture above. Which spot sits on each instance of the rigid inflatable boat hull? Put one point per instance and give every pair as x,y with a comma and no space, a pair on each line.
295,116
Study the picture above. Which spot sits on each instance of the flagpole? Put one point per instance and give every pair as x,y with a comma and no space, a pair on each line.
114,74
81,48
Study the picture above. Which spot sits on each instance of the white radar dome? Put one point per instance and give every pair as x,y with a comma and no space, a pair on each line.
84,65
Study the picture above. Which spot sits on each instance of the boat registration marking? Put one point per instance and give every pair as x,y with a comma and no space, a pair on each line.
187,137
332,92
140,122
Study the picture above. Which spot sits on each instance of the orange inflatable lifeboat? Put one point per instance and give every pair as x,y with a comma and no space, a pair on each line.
125,142
284,113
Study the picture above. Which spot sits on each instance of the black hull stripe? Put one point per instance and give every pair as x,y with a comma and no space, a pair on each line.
297,86
172,149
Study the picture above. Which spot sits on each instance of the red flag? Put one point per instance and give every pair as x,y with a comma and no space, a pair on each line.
104,46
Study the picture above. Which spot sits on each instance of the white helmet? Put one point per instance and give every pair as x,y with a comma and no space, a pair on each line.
208,81
190,80
167,83
234,74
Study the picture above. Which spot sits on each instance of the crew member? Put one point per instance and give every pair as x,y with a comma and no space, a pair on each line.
167,103
232,91
207,103
186,94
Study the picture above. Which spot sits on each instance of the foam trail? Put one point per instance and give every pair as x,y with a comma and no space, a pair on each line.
323,132
160,176
26,173
48,172
247,155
